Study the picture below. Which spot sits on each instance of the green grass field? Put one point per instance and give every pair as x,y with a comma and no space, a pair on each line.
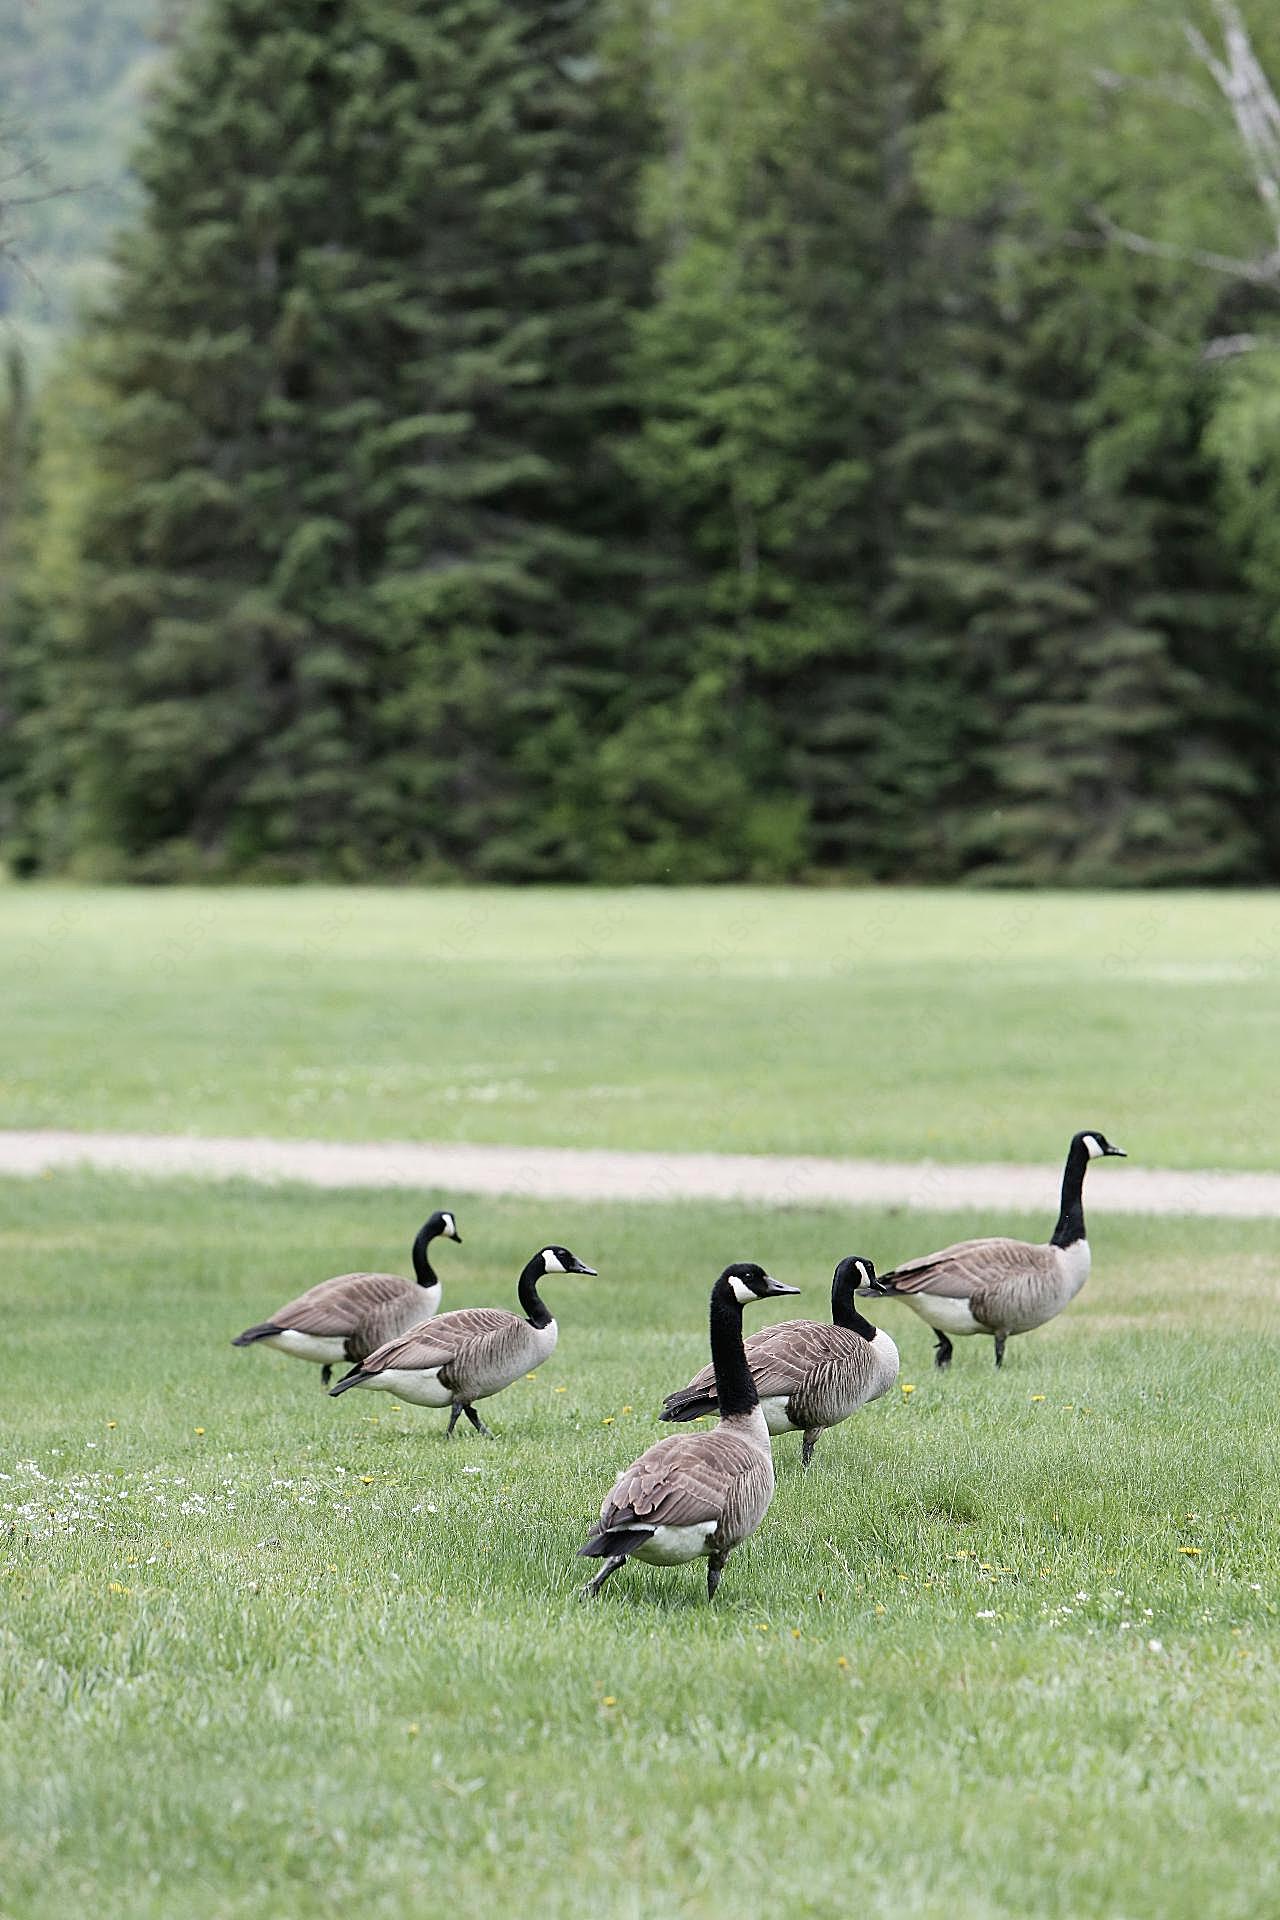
899,1023
1008,1650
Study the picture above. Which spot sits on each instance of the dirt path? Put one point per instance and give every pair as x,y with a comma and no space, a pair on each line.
570,1173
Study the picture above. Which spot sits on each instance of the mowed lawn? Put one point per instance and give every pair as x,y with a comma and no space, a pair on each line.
1009,1649
906,1024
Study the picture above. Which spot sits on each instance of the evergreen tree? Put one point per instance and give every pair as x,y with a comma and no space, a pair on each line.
353,576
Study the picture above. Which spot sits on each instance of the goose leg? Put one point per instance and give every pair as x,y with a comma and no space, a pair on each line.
477,1422
1000,1340
942,1351
610,1566
715,1567
811,1438
455,1413
326,1375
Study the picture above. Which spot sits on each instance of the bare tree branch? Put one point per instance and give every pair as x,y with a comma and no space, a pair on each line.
1230,346
1264,272
1240,78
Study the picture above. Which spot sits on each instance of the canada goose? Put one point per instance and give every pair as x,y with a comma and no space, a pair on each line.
698,1495
1003,1287
470,1355
808,1376
347,1317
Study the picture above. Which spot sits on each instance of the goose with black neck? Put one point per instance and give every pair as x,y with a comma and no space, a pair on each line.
808,1376
698,1495
472,1354
349,1316
1003,1287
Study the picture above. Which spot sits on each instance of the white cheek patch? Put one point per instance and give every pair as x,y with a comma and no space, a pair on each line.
741,1291
865,1271
551,1260
1092,1148
450,1225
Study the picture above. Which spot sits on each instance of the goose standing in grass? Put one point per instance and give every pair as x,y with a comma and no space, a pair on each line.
698,1495
347,1317
1003,1287
808,1376
472,1354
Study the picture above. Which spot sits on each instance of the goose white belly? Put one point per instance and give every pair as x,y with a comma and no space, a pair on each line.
671,1546
942,1313
327,1350
776,1417
419,1386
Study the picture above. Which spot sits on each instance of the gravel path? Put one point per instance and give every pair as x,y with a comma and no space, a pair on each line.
571,1173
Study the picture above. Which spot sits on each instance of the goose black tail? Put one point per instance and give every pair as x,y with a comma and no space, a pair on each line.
687,1405
352,1379
603,1545
250,1334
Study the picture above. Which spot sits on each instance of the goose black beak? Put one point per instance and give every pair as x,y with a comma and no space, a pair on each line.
779,1286
1116,1153
579,1268
454,1236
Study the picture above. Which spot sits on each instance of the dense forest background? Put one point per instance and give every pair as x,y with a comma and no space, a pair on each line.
616,440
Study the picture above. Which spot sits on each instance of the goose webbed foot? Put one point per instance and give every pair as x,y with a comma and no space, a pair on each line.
811,1439
942,1351
715,1567
326,1375
1000,1340
609,1568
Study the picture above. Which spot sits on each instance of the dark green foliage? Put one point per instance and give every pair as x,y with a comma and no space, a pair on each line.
595,440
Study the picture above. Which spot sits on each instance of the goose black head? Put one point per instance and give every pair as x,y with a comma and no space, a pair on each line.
442,1225
559,1260
1097,1145
749,1282
854,1275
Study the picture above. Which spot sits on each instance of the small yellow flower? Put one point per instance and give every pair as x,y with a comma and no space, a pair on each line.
607,1421
1037,1396
199,1429
562,1389
626,1409
842,1662
795,1633
880,1609
366,1479
530,1376
762,1626
115,1587
110,1424
908,1386
608,1701
332,1567
413,1729
1188,1549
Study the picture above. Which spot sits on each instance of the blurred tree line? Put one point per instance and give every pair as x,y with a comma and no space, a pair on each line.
611,440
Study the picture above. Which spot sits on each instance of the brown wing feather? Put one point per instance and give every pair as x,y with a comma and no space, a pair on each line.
437,1341
960,1271
680,1482
780,1357
335,1306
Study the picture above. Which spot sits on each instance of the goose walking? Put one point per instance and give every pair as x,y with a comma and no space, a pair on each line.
698,1495
1003,1287
472,1354
347,1317
808,1376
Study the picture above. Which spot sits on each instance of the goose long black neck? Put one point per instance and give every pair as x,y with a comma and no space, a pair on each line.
1070,1227
845,1314
424,1272
531,1302
735,1389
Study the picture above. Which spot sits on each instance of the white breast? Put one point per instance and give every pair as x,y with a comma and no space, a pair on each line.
326,1350
774,1409
1074,1263
672,1545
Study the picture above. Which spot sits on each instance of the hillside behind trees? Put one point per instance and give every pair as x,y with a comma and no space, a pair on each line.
605,441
